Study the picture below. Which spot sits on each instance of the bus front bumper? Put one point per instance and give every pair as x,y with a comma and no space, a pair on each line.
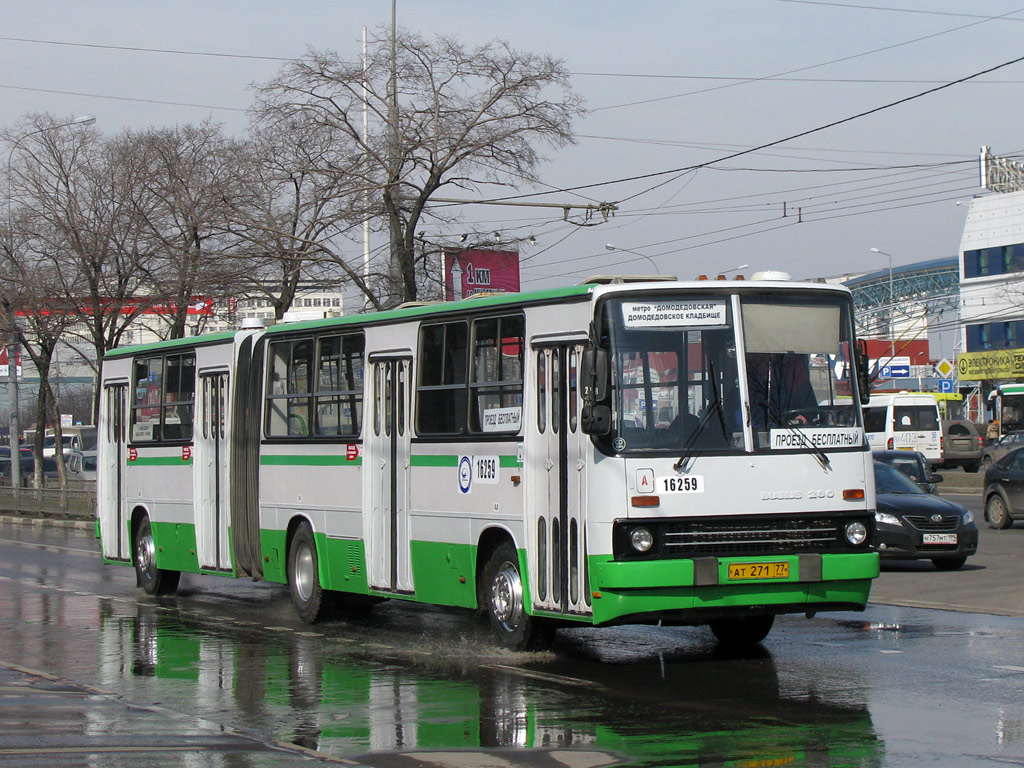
690,591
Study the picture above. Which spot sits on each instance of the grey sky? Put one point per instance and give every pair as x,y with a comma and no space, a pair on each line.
704,80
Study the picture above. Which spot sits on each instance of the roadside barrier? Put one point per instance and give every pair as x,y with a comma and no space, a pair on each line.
75,503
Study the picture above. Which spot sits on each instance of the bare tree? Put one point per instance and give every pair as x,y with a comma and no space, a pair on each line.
443,115
34,313
290,210
75,195
183,214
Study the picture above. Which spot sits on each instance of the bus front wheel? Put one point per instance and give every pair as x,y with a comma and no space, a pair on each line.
502,591
748,630
155,581
308,596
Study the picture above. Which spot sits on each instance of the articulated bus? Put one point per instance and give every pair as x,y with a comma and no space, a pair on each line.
608,453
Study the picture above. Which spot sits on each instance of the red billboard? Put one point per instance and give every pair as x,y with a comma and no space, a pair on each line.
479,271
884,349
5,370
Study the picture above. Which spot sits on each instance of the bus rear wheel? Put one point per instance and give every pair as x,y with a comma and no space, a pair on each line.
153,580
308,597
736,633
502,591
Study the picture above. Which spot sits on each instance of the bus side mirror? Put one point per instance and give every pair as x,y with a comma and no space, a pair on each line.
594,375
863,380
596,420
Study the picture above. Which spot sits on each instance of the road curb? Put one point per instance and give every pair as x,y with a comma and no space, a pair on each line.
62,522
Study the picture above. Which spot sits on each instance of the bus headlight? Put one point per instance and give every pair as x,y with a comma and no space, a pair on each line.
641,539
856,533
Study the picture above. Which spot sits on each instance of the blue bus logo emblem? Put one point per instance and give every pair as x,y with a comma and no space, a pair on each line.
465,474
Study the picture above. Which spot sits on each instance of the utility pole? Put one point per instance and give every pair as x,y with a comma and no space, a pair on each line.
393,119
366,143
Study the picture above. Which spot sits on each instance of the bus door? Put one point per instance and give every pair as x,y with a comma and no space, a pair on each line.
113,517
211,472
387,446
556,466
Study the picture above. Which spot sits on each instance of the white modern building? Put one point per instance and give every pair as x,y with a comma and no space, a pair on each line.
992,283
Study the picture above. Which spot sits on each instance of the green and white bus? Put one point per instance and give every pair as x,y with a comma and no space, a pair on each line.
608,453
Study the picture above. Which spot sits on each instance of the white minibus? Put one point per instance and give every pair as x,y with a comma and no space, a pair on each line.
904,421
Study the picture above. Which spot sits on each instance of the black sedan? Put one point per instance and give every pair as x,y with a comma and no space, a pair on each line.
1004,490
913,525
913,464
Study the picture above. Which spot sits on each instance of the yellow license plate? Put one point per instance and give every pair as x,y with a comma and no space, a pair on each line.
741,571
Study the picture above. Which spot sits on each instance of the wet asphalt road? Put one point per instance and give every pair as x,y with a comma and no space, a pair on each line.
92,672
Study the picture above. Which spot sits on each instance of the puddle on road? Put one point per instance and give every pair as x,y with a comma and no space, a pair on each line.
388,698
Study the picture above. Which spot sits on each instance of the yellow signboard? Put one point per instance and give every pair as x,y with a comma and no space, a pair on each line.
996,364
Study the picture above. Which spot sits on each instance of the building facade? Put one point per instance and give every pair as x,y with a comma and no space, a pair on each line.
992,290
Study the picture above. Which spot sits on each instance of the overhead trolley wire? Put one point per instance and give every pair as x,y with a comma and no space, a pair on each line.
676,172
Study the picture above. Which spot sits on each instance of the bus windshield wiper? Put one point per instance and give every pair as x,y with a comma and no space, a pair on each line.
715,407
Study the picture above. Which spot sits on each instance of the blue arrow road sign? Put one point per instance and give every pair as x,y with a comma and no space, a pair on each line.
899,371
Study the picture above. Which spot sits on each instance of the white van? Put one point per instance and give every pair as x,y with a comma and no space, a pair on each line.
904,422
77,438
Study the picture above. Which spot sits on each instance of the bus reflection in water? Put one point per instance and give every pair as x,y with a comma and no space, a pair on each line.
682,452
299,690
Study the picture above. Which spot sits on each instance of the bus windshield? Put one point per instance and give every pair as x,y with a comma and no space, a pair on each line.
678,383
797,355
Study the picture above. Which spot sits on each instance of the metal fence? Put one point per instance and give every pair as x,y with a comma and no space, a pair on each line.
77,502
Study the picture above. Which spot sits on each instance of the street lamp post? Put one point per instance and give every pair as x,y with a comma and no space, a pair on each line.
12,350
892,305
610,247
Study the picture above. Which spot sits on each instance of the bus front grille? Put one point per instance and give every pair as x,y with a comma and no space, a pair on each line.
740,536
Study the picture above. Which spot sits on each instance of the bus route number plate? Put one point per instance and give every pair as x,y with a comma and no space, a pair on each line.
745,571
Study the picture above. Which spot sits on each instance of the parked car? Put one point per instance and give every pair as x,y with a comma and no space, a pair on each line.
1007,443
911,524
1004,490
28,469
5,451
913,464
82,465
962,445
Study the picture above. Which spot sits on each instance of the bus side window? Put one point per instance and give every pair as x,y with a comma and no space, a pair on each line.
496,386
441,391
339,385
148,377
289,388
179,396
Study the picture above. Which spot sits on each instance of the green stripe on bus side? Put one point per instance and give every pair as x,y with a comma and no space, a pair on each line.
509,462
159,461
309,460
433,461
